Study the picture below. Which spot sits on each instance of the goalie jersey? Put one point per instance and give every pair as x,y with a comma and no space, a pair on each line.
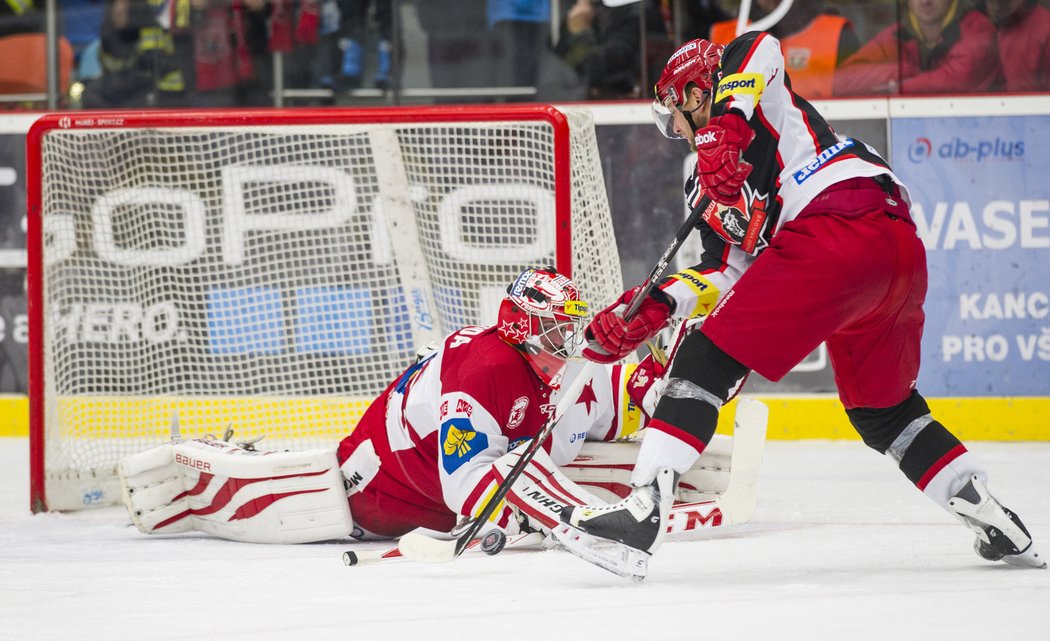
439,427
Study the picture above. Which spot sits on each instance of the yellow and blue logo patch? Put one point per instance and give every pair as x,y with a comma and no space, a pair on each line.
460,442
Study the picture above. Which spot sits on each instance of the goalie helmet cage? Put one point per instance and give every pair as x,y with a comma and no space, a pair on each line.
272,271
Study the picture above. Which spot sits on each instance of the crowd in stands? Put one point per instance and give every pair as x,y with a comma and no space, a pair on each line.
173,53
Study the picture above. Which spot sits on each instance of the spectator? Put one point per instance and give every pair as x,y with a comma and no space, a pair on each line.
457,44
221,46
665,19
815,41
939,46
601,43
520,29
353,34
1024,42
139,68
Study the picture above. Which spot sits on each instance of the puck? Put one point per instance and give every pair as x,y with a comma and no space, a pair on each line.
350,558
493,542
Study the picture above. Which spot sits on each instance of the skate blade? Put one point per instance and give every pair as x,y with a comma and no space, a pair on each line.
620,559
1027,559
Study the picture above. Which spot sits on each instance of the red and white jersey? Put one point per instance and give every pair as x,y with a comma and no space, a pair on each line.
452,415
795,154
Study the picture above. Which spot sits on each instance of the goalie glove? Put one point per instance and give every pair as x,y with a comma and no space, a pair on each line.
720,157
619,337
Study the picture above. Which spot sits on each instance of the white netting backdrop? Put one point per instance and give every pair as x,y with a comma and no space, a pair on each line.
275,279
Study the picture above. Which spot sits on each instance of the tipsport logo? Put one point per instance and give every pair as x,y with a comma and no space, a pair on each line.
967,150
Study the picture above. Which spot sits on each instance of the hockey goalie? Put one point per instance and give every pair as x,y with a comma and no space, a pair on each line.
434,446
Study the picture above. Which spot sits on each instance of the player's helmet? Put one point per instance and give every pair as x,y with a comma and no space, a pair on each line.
695,63
542,316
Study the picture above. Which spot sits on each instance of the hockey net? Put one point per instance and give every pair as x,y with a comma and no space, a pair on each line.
273,271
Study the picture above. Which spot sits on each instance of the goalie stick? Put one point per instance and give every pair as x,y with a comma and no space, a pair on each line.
419,546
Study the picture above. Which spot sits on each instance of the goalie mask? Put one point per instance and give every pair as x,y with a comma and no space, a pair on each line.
695,63
542,316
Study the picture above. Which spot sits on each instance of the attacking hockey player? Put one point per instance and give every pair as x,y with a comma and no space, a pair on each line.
810,240
435,444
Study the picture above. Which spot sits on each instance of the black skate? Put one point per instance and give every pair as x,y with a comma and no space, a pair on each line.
1000,534
621,537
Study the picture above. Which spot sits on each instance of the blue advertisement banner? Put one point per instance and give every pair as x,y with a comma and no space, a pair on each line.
980,187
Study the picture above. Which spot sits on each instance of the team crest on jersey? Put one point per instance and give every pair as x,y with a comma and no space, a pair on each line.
517,412
741,223
460,442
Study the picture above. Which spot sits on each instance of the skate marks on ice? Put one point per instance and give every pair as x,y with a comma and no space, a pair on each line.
840,547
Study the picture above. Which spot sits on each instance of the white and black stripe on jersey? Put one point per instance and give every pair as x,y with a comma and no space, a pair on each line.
795,154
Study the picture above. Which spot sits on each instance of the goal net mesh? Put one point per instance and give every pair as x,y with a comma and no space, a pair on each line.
273,279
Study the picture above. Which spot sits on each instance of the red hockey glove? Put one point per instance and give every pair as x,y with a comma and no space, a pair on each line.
618,337
719,157
646,383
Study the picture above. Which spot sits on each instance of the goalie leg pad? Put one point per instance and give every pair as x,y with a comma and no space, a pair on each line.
237,494
604,469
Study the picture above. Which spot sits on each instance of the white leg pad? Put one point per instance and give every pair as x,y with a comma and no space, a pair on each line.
237,494
542,490
605,470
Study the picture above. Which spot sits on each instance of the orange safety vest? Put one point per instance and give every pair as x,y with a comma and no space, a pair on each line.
811,54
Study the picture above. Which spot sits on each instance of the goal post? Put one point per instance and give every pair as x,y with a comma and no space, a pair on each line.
272,271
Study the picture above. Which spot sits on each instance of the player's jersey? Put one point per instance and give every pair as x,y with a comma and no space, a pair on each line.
795,154
452,415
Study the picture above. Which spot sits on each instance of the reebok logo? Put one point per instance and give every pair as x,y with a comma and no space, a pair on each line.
706,138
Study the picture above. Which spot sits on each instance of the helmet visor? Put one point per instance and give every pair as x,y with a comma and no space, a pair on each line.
663,116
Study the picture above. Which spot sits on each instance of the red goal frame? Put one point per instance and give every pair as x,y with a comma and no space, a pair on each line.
88,120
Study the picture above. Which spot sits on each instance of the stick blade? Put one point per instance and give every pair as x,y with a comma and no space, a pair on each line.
419,547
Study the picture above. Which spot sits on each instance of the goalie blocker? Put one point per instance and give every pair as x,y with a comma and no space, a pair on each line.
301,496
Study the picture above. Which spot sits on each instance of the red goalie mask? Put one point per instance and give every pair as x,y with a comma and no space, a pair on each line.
542,316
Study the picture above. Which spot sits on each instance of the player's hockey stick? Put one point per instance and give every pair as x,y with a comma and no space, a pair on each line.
418,546
661,265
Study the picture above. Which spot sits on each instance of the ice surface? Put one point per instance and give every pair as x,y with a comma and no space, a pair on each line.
840,547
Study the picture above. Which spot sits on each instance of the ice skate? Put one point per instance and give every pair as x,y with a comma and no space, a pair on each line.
621,537
1000,534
